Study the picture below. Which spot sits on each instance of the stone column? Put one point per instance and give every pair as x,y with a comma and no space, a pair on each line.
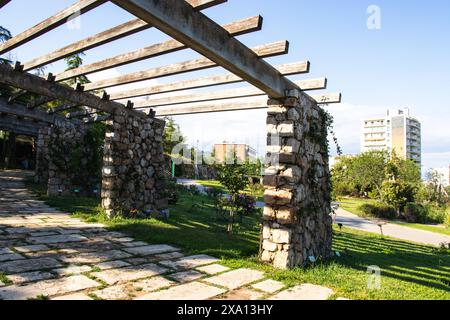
297,226
42,155
133,171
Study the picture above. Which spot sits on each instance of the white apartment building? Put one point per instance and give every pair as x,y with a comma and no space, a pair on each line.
397,131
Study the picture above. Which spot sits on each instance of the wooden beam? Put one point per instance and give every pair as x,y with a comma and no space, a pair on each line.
118,32
62,107
17,95
263,51
221,95
20,126
285,69
243,26
49,24
36,84
4,3
178,20
39,102
328,98
192,108
22,111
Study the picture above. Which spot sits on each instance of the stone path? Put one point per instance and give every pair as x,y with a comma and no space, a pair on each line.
392,230
46,253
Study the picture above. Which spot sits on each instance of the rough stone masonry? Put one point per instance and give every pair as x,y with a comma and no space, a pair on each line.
297,226
133,172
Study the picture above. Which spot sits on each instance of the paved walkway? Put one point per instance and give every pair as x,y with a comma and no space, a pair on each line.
392,230
46,253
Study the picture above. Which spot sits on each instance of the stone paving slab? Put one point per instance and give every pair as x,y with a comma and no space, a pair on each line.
304,292
10,257
75,296
188,291
151,249
213,269
32,248
117,292
24,265
189,262
47,288
95,257
186,276
242,294
112,264
236,278
113,276
152,284
269,286
30,277
57,239
5,251
72,270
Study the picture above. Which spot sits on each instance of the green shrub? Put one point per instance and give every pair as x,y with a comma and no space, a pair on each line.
378,210
416,213
447,218
436,214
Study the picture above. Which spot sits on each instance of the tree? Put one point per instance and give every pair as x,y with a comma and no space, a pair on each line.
75,61
398,194
341,178
5,34
172,136
368,171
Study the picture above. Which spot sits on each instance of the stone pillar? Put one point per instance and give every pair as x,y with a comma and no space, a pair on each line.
133,171
297,226
42,155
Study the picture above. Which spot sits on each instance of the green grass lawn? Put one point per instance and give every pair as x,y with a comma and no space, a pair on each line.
409,271
352,205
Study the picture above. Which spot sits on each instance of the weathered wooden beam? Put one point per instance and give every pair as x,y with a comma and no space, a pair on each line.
118,32
192,108
39,102
17,95
63,107
22,111
20,126
97,118
178,20
239,27
49,24
77,114
222,95
285,69
4,3
263,51
36,84
327,98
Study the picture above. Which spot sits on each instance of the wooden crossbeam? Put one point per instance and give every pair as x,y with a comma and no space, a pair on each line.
225,94
49,24
97,118
36,84
192,108
20,126
4,3
285,69
39,102
263,51
63,107
239,27
178,20
22,111
17,95
77,114
115,33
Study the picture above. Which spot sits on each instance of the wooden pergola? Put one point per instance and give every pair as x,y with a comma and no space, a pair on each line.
188,27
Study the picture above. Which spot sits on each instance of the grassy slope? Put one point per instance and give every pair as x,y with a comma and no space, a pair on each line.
409,271
352,205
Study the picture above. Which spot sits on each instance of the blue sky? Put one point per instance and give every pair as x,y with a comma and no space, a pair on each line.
404,64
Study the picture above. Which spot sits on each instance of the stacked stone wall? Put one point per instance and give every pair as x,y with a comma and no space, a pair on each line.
297,226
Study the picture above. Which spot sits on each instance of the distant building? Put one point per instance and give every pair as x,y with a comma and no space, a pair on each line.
397,131
445,175
243,152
